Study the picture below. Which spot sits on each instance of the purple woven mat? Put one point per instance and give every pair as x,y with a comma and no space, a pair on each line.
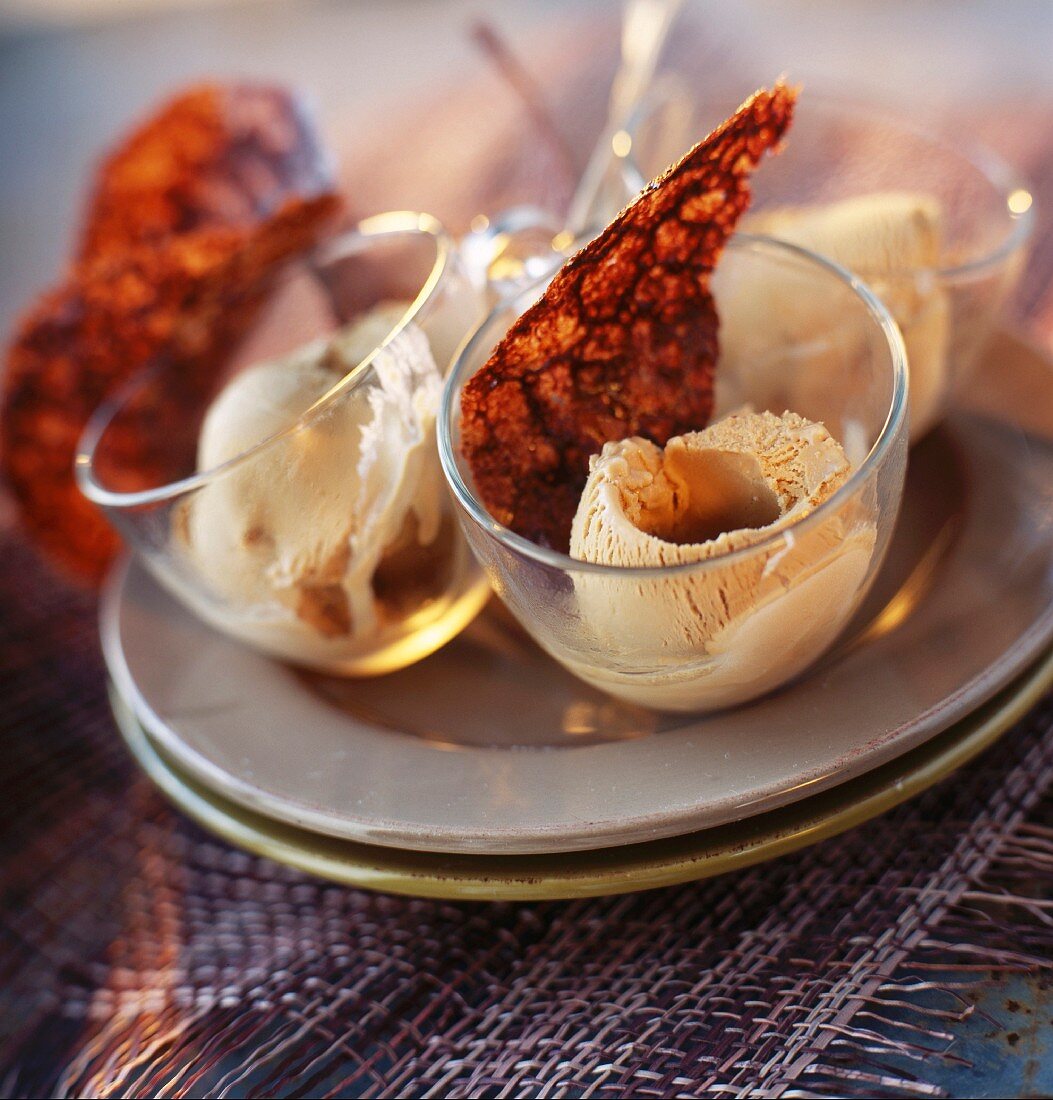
140,957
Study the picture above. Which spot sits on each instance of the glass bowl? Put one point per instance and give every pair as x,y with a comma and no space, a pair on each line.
663,636
944,287
259,545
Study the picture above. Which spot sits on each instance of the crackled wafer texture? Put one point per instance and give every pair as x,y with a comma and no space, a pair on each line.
177,258
219,156
623,342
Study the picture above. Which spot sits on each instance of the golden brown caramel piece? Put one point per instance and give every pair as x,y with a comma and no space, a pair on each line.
192,218
623,342
216,156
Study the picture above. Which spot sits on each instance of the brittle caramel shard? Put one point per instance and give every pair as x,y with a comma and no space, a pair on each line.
623,342
215,156
177,259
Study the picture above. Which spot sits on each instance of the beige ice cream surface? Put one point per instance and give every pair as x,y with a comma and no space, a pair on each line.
718,635
893,240
882,233
289,540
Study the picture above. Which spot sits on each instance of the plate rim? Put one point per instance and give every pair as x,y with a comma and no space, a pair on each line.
927,725
592,872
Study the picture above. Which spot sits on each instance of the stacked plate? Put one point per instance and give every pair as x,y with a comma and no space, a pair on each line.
486,771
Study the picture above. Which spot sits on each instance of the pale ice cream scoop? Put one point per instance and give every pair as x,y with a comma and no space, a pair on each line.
893,241
290,540
745,623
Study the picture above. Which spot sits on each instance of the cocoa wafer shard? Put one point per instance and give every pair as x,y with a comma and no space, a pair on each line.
623,342
173,269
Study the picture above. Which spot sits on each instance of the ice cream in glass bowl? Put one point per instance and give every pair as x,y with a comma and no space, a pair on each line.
299,505
937,226
707,572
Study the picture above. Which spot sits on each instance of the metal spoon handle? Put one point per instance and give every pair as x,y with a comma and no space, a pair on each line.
645,27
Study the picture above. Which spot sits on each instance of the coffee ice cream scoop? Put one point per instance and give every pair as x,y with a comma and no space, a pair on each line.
295,532
737,625
893,241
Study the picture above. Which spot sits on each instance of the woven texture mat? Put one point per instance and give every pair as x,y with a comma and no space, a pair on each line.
140,957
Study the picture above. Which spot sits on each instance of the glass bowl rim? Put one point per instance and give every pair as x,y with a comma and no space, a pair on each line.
397,223
893,427
1005,180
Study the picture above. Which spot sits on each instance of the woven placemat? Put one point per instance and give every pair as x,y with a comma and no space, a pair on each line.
141,957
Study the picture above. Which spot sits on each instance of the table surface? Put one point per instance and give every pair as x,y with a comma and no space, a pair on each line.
65,89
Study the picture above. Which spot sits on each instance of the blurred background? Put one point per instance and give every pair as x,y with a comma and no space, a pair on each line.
419,111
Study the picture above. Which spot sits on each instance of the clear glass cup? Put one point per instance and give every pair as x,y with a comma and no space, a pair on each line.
792,591
138,461
837,150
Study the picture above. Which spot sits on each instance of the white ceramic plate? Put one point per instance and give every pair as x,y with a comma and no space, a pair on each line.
488,746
